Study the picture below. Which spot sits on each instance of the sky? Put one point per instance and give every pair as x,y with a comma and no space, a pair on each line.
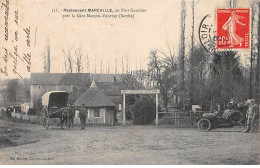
103,39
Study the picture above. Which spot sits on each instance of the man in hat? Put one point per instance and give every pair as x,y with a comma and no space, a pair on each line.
83,112
251,114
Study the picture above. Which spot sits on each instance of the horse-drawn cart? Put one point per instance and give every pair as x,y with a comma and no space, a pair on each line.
54,105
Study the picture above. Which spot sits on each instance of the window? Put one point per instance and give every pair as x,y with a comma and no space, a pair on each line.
97,113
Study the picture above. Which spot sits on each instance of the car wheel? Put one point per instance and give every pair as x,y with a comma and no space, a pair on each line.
204,124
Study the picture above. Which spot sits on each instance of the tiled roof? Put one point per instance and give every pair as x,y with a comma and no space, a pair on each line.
60,79
93,97
45,78
106,77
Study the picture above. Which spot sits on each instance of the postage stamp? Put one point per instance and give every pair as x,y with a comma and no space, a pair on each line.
233,29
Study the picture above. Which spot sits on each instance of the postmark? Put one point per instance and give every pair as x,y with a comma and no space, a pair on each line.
207,34
233,29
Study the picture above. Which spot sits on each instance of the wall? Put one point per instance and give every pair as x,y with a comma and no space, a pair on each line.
92,119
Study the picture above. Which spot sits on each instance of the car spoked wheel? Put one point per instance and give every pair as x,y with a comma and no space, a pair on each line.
204,124
236,117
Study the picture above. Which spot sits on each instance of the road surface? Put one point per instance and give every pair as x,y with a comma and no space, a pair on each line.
130,145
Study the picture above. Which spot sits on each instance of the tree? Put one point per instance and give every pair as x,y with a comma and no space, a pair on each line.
80,60
182,43
11,89
200,68
68,60
143,110
4,93
231,3
226,75
154,67
191,56
252,49
168,75
258,59
46,57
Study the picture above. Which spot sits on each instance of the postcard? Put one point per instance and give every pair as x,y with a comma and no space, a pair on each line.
137,82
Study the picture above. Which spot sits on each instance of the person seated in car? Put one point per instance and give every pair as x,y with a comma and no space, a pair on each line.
232,105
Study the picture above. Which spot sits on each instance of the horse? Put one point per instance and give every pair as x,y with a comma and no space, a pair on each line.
67,117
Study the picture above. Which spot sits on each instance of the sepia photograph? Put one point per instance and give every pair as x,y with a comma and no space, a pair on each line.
129,82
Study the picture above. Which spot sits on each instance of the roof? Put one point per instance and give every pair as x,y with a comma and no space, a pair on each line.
60,79
45,78
105,77
46,96
93,97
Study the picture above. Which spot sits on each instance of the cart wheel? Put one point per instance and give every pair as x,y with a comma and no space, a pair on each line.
45,118
204,124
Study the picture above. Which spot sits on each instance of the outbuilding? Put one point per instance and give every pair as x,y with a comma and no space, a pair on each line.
100,108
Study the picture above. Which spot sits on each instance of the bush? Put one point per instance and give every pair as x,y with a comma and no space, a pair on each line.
130,101
143,110
31,111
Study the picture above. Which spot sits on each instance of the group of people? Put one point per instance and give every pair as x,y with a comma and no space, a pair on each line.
251,113
68,114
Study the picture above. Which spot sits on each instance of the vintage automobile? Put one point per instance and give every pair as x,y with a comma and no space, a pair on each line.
54,105
230,118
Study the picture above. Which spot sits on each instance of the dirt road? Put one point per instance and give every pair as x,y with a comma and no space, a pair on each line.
132,145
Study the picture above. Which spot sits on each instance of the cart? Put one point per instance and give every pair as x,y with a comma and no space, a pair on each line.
54,105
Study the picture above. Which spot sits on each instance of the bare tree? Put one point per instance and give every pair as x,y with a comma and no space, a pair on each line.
258,58
68,60
101,66
169,58
192,55
4,93
182,44
231,3
115,65
46,58
155,66
252,50
122,64
80,60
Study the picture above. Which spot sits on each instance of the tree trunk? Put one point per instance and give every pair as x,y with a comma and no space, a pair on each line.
252,54
258,58
182,46
191,57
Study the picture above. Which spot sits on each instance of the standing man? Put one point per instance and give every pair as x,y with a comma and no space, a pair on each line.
251,114
83,112
72,114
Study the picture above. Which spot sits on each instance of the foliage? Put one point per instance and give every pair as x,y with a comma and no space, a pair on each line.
162,67
11,89
143,110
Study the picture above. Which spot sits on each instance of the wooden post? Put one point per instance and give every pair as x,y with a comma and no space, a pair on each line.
156,109
123,109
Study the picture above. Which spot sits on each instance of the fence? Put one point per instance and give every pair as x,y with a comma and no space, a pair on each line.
37,119
176,117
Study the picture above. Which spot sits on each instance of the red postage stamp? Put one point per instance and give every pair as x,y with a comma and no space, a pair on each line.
233,29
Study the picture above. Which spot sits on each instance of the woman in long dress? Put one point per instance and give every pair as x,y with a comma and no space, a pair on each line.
230,25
